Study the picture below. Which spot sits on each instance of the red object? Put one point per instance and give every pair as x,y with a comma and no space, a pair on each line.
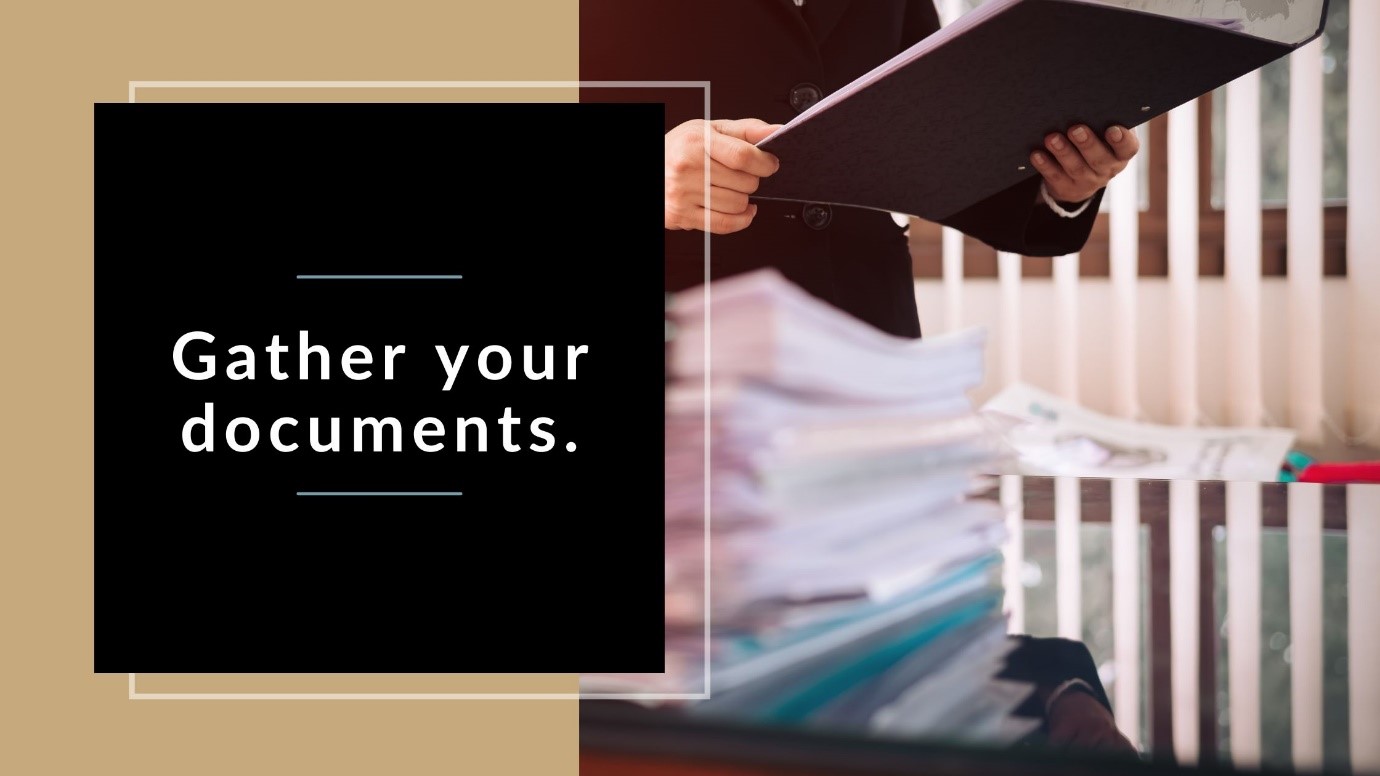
1356,471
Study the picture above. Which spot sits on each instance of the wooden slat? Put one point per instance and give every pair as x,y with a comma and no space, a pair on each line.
980,261
1154,494
1097,504
1208,499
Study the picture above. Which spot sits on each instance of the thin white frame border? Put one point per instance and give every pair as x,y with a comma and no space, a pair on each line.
135,86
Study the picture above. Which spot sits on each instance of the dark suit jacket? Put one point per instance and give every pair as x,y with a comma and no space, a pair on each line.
754,53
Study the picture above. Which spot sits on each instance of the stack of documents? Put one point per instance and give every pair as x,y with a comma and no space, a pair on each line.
1053,436
824,564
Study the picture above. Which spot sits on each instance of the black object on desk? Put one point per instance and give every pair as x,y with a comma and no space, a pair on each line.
618,738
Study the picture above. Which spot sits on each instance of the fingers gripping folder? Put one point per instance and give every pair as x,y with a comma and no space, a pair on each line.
952,120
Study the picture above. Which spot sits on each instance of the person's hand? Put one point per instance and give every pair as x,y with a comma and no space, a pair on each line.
1078,721
736,166
1076,165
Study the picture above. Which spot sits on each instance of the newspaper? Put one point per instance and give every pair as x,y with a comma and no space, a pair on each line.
1052,436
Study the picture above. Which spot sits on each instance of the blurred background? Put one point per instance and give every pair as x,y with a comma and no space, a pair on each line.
1231,280
1216,289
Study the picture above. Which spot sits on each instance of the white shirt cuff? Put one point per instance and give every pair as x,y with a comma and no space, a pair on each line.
1064,688
1059,209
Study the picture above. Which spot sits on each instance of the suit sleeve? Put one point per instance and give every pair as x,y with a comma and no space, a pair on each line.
1012,220
921,20
1048,662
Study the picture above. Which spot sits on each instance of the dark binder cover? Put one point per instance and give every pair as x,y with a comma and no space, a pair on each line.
953,119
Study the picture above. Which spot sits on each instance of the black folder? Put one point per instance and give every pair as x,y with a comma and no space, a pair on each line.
953,119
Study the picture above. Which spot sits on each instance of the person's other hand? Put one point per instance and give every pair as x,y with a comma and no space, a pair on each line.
1077,164
1078,721
736,167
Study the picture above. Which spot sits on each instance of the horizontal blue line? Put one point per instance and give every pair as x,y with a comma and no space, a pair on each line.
378,493
379,277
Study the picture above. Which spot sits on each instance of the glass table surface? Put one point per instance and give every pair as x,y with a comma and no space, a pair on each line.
1233,625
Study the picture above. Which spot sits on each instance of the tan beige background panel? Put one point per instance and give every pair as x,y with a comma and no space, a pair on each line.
354,683
287,93
56,60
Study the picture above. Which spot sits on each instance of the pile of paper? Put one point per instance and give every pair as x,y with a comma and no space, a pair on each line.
1052,436
843,576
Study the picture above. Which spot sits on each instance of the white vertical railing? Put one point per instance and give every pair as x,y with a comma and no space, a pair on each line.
1183,603
1124,261
1244,513
1068,560
1245,397
1363,622
1182,213
1363,223
1066,324
1305,624
1243,622
1009,276
1013,501
1305,242
1302,374
1126,608
949,10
